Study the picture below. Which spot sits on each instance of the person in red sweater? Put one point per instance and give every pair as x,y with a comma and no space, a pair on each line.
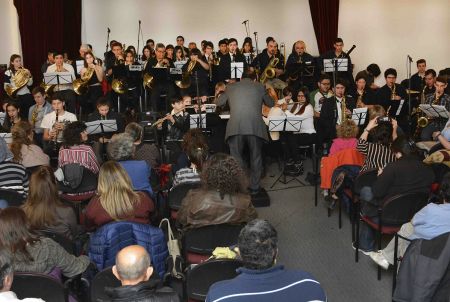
116,200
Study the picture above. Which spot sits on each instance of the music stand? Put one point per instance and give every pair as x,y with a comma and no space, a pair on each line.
237,69
359,116
7,137
285,124
58,78
435,111
197,121
304,69
101,126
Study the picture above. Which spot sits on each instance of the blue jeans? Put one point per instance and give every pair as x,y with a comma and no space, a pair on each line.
366,233
3,204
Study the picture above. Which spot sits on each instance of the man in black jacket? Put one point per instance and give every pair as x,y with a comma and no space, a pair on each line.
133,269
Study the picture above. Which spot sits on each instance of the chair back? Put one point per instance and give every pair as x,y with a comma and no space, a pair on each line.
35,285
12,198
200,278
401,208
366,178
103,279
177,194
62,240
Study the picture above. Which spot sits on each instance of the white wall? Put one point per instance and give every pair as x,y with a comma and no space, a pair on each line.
386,31
197,20
9,31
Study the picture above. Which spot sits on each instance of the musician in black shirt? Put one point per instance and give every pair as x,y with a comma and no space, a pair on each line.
300,67
132,79
338,53
418,79
224,68
199,74
180,42
430,79
363,96
262,60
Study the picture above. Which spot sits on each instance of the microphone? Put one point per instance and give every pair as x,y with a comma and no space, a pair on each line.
109,30
139,22
245,21
351,49
409,58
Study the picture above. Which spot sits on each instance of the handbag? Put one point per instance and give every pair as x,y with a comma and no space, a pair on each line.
174,262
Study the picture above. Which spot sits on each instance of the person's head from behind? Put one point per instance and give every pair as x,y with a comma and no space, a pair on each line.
42,198
258,245
116,191
348,129
133,265
75,134
444,188
121,147
403,147
194,137
374,70
376,111
15,232
222,173
135,131
382,134
249,74
6,270
22,134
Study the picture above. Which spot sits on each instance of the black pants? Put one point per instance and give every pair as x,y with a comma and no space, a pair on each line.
25,102
89,100
254,143
290,143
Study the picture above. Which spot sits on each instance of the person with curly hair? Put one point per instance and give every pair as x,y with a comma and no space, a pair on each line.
223,197
346,137
75,150
23,149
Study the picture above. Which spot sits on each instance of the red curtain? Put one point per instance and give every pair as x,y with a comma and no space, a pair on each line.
325,16
48,25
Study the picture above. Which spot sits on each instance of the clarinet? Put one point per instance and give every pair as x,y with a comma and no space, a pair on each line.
55,139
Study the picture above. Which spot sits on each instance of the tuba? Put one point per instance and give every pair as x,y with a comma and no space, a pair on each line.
148,80
119,86
186,78
20,79
80,86
269,71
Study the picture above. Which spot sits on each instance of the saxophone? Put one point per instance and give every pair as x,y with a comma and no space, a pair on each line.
343,110
393,93
34,115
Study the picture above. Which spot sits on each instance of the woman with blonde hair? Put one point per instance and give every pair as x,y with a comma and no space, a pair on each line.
346,137
22,147
43,208
116,199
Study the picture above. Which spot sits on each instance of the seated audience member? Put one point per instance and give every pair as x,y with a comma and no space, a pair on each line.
6,280
44,209
23,149
103,112
430,222
13,176
194,138
260,278
37,112
346,137
133,268
197,156
377,150
147,152
116,199
406,175
222,198
33,253
121,148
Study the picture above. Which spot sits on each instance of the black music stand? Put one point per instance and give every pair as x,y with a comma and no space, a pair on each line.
101,126
304,70
58,78
237,69
197,121
435,111
359,116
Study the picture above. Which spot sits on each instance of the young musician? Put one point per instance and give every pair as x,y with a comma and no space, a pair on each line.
54,122
318,96
200,73
247,50
64,90
338,53
12,116
263,59
133,80
296,63
158,67
170,52
180,42
113,59
151,44
370,74
37,112
334,111
430,79
15,75
364,97
439,98
177,121
391,96
418,79
50,60
146,54
93,74
179,54
224,69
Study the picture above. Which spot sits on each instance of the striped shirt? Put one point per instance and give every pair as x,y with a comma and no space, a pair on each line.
81,154
377,155
14,177
185,175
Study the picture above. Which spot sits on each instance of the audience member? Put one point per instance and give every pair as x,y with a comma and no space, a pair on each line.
222,199
197,156
32,253
261,279
144,151
121,148
44,209
134,270
346,137
116,199
23,149
194,138
13,176
6,280
406,175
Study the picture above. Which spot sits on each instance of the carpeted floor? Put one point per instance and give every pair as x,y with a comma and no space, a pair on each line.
310,240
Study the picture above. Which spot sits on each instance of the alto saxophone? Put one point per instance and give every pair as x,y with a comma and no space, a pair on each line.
393,93
343,110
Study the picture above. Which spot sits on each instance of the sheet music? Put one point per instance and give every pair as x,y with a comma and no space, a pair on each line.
79,65
237,69
179,64
359,116
400,106
51,78
435,111
94,126
341,63
135,67
193,120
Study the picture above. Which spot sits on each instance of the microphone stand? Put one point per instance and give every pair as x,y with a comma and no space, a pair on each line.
138,49
199,102
408,72
257,53
107,39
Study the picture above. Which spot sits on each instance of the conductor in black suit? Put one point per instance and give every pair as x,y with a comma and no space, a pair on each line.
246,126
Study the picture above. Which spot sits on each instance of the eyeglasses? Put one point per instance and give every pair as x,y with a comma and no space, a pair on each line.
301,96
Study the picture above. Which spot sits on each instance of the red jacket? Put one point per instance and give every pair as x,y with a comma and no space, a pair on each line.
329,163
